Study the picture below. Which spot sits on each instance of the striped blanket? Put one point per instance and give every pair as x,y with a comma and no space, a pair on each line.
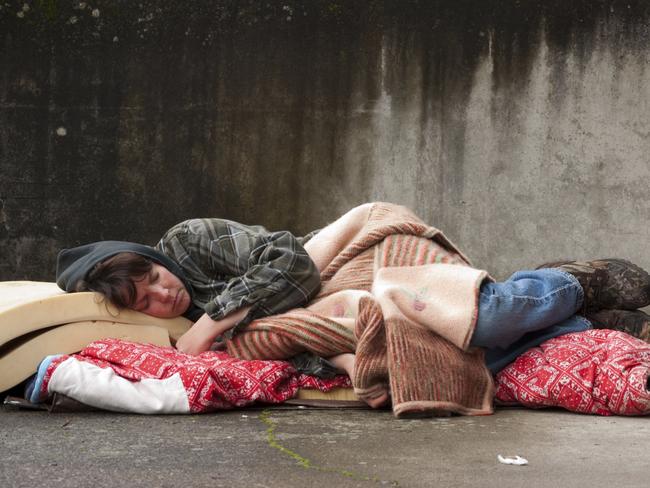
401,295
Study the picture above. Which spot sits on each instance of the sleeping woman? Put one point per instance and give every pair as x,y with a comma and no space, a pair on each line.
224,275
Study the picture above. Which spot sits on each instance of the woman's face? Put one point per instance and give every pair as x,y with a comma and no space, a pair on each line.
161,294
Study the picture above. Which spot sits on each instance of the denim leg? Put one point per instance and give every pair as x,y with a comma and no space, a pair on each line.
528,301
497,358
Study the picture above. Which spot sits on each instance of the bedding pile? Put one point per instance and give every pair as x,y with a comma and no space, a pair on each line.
601,372
396,292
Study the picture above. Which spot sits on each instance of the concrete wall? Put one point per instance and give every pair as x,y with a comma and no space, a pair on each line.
519,128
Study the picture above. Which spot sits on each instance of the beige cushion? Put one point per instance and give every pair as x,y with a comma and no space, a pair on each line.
20,358
27,306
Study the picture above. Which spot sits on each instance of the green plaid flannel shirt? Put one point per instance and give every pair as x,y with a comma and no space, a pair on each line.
231,265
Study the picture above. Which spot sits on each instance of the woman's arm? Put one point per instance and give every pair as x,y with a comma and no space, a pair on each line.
241,265
202,334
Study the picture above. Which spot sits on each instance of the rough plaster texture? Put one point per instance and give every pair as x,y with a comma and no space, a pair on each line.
519,128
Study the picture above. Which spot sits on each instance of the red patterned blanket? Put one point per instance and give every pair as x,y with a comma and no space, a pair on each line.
125,376
601,372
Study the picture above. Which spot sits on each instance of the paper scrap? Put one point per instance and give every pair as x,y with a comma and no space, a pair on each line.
516,460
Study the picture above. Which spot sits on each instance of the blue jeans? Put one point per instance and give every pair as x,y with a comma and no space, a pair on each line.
524,311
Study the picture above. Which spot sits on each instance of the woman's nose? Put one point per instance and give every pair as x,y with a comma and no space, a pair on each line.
161,293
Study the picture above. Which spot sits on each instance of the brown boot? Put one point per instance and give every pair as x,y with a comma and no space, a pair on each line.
633,322
609,283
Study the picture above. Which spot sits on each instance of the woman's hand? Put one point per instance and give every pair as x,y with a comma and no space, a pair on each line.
202,334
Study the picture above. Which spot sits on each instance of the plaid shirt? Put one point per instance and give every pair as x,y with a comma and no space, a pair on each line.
231,265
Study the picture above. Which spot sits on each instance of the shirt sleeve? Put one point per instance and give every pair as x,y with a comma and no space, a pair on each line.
269,271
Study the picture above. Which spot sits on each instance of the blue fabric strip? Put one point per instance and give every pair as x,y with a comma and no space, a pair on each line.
33,388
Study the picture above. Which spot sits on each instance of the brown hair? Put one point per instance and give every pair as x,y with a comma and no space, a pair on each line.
114,278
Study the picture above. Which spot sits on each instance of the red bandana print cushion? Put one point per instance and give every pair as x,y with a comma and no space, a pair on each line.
602,372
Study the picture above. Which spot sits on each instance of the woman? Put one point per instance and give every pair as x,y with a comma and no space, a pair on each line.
215,272
223,275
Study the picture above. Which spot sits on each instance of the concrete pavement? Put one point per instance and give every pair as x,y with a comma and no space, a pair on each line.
322,448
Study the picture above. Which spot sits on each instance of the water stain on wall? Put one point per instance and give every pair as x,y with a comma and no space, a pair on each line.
282,113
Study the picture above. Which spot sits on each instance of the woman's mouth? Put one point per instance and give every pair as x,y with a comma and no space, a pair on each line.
176,300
